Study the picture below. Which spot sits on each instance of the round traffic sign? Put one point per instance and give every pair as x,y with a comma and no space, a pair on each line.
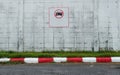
59,13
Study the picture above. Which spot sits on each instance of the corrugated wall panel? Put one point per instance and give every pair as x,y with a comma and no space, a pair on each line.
9,24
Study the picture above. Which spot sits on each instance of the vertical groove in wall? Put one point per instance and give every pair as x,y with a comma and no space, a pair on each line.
18,25
83,33
44,25
117,6
20,42
23,24
8,31
118,23
53,37
96,26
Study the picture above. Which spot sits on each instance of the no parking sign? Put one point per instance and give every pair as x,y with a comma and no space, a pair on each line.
58,17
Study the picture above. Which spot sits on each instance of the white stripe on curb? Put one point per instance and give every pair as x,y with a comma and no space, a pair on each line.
115,59
4,59
31,60
89,59
60,59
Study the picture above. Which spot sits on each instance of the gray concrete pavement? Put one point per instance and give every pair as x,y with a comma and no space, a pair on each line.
60,69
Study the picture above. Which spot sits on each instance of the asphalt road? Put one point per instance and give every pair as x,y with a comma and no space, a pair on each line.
60,69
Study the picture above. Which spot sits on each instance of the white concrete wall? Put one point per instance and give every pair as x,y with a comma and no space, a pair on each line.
93,25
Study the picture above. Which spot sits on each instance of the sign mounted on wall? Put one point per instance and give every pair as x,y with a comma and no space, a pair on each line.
58,17
59,13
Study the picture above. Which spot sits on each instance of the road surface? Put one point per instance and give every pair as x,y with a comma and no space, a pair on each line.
60,69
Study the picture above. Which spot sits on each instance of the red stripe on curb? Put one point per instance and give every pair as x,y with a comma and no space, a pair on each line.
103,59
74,59
17,59
45,60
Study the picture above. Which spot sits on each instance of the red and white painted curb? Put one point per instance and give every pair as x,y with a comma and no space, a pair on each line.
63,59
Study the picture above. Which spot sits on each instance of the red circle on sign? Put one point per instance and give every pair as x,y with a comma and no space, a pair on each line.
59,13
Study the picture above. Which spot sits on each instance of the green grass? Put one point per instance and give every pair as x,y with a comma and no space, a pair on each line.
11,54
